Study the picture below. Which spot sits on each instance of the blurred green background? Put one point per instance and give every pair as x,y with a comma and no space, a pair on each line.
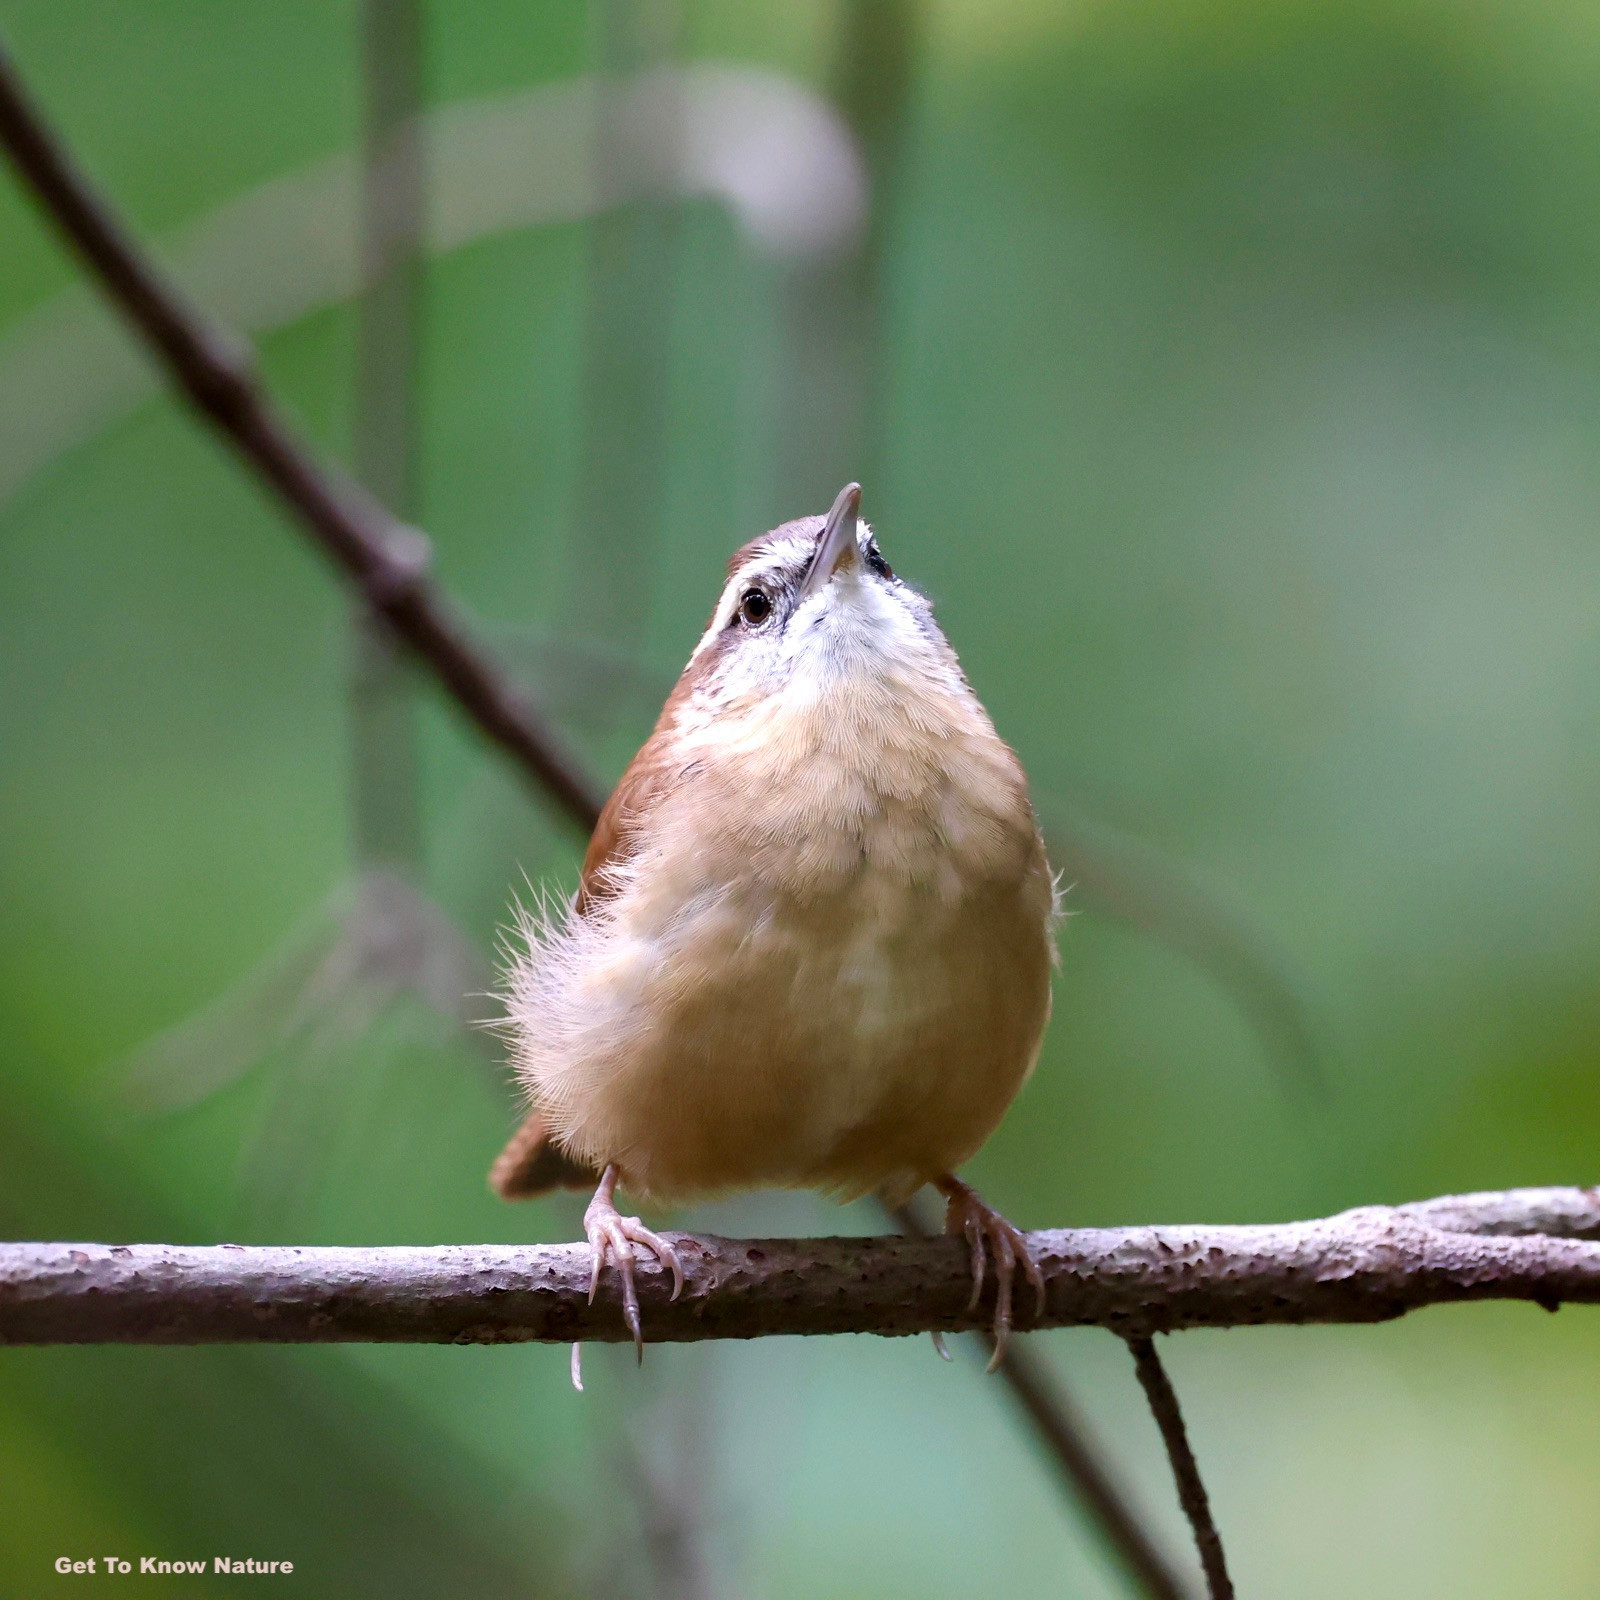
1229,374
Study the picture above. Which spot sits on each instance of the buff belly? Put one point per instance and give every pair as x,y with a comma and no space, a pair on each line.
711,1038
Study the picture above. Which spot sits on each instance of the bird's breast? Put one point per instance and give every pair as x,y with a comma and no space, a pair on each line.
826,964
882,781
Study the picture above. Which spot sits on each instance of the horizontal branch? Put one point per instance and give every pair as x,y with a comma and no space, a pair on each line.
1367,1265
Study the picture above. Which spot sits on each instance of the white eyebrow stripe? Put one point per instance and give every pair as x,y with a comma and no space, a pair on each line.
781,559
789,557
786,559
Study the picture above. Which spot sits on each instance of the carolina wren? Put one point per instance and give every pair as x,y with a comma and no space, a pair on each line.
812,940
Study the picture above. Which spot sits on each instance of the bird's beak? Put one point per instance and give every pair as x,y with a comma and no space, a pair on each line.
837,546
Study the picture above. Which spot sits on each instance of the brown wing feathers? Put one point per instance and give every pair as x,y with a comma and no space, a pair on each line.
531,1164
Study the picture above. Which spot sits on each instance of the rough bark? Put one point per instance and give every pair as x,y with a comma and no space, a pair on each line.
1367,1265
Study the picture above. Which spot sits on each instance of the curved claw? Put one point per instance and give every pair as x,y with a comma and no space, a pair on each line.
611,1234
972,1226
1005,1266
986,1230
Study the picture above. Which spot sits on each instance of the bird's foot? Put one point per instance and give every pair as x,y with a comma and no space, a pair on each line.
985,1230
611,1234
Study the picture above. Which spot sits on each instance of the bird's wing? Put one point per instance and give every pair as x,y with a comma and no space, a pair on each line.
651,776
531,1164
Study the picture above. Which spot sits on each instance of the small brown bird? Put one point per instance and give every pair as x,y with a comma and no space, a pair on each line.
812,941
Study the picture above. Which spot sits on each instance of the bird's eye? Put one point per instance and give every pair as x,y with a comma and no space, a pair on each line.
754,607
875,561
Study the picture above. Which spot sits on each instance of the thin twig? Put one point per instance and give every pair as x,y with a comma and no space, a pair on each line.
1056,1423
387,561
1192,1495
1047,1406
1369,1265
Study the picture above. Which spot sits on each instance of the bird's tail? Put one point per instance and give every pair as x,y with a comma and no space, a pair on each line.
531,1164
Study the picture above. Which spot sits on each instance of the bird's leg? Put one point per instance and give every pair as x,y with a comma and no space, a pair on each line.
984,1230
615,1235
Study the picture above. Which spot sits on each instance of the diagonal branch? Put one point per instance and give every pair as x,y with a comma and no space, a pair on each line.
1368,1265
387,561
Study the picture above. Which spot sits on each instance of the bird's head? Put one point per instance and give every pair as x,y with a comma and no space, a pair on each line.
814,603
